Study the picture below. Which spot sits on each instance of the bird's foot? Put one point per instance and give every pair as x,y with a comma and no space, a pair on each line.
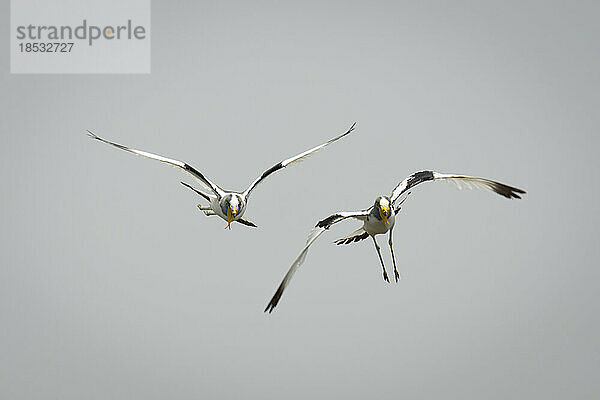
385,277
397,275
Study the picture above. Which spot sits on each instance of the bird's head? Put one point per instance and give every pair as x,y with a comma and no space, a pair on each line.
383,206
231,206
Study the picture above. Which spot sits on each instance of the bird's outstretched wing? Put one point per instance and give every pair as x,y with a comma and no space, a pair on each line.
175,163
321,227
291,160
460,180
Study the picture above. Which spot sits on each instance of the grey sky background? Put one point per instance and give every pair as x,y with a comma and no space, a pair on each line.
114,286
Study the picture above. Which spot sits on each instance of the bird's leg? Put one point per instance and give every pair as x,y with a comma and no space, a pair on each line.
396,273
385,275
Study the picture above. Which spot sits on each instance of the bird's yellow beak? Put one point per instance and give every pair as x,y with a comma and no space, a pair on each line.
231,211
383,212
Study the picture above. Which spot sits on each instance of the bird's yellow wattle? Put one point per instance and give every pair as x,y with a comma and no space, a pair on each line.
383,217
229,218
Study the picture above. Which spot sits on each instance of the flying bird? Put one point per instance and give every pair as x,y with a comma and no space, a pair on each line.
229,205
381,217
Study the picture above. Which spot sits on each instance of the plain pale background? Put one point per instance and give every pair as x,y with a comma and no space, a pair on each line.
114,286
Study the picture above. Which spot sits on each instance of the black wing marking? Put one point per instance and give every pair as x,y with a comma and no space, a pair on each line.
411,181
292,160
352,238
175,163
196,190
468,181
337,217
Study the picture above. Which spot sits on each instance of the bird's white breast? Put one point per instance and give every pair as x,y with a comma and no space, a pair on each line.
374,226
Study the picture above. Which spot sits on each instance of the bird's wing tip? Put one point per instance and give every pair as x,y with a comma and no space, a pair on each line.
351,129
91,134
514,193
273,302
